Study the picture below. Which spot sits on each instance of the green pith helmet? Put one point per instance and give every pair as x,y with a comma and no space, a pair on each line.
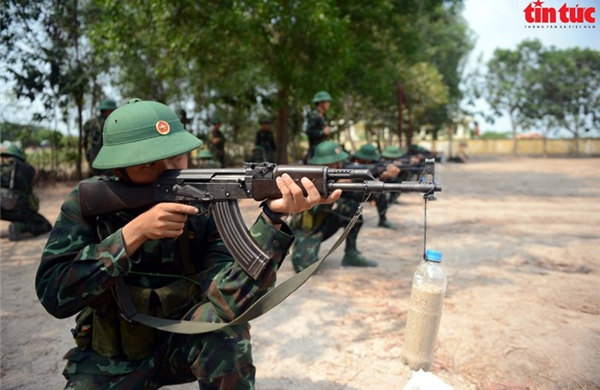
264,119
367,152
205,153
322,96
140,132
107,105
392,151
214,120
13,151
328,152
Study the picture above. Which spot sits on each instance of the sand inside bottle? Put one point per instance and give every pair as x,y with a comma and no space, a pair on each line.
422,325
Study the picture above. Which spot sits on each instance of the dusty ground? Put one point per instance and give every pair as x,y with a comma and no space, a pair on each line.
521,245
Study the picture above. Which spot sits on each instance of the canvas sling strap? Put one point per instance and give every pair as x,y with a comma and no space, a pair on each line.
267,302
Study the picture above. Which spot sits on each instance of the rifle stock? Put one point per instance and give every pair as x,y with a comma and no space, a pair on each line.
223,187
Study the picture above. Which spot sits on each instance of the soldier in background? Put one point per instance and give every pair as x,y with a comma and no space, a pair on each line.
19,204
368,155
316,225
92,133
316,125
264,143
217,141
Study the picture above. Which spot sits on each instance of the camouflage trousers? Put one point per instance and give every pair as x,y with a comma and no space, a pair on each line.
217,360
27,220
307,243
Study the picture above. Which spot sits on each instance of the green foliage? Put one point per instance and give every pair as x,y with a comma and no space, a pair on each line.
567,91
243,59
544,88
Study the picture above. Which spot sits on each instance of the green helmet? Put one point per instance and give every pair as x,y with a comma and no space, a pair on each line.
367,152
214,120
322,96
140,132
13,151
107,105
264,119
328,152
205,153
392,151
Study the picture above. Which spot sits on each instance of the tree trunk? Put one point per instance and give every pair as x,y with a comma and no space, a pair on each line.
80,143
400,119
281,127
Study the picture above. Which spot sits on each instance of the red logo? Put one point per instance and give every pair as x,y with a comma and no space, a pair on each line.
535,12
163,127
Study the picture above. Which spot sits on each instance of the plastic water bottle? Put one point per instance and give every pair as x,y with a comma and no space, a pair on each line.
424,312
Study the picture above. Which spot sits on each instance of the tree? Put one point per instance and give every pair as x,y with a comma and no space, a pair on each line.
49,59
567,92
508,83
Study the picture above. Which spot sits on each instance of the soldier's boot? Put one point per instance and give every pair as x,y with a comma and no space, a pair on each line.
14,231
353,258
384,223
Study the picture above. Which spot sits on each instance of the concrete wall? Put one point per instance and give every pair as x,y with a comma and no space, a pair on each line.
588,147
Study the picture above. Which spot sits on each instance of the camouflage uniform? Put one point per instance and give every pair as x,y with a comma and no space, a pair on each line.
92,134
369,155
316,225
316,124
312,227
217,148
193,277
87,268
265,146
23,213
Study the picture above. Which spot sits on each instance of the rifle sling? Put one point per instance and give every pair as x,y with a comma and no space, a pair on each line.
265,303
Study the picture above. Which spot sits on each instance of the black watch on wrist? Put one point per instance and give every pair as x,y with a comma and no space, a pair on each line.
276,218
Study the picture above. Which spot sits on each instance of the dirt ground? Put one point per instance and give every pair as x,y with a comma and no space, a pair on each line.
520,239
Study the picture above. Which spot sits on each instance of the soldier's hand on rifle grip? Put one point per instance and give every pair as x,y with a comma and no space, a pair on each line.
164,220
292,198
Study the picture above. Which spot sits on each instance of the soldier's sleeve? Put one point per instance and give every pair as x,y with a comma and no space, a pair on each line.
229,290
76,266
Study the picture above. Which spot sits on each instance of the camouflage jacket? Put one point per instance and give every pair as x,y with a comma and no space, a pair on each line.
77,267
22,187
24,174
266,141
315,124
92,137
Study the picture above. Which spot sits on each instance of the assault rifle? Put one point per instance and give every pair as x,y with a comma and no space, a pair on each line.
221,188
377,168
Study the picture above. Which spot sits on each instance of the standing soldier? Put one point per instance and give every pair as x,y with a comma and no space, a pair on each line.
264,144
92,133
217,140
19,204
316,122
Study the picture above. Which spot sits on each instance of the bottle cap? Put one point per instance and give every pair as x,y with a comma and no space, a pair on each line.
431,255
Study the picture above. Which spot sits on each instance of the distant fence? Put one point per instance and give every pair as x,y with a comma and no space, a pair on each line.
588,147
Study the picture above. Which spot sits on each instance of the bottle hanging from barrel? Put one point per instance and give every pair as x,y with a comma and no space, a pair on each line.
424,313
